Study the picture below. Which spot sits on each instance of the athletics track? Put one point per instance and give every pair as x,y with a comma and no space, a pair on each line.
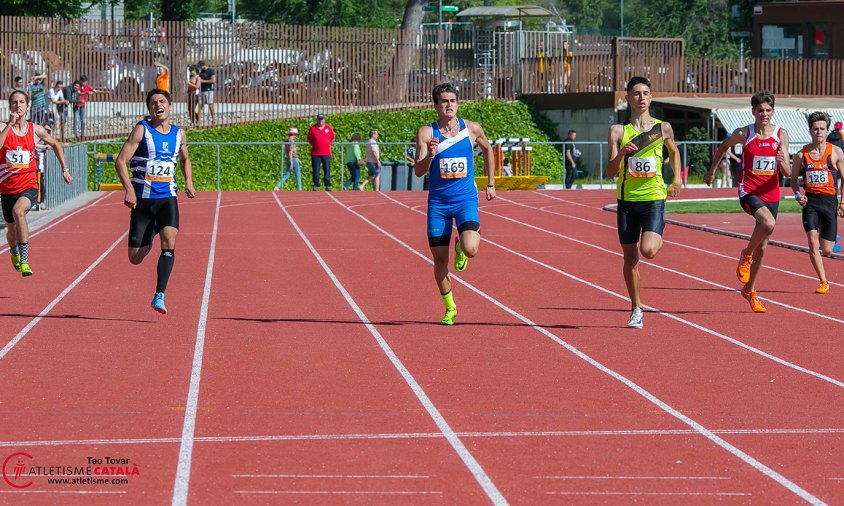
301,363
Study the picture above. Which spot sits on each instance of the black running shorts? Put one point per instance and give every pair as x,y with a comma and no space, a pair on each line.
634,218
9,201
149,217
819,214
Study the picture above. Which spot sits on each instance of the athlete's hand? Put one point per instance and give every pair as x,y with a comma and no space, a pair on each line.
841,212
802,199
67,177
432,147
674,189
782,158
628,148
189,191
130,200
490,193
14,117
707,178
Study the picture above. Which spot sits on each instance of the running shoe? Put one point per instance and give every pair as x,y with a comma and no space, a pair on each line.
636,317
751,297
823,287
461,261
743,269
25,270
16,261
448,317
158,303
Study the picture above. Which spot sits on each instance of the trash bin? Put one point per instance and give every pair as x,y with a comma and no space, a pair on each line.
387,170
416,183
401,177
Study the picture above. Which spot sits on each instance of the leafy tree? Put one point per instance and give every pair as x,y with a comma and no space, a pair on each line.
704,24
44,8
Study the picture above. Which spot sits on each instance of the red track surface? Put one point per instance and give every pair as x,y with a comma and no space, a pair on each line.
273,381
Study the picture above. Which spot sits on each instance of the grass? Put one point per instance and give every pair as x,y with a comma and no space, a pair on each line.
787,205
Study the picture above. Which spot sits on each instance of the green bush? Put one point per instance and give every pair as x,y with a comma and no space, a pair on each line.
252,166
700,155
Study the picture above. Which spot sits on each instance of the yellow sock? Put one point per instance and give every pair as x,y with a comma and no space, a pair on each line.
448,298
458,248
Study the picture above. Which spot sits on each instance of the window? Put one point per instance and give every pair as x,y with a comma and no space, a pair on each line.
819,43
782,41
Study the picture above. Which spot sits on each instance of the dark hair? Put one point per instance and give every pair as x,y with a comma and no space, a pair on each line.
442,88
18,78
572,131
12,95
59,83
83,79
760,97
372,132
355,137
156,91
819,116
637,80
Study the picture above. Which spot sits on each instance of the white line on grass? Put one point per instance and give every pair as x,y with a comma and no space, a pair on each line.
468,459
700,429
180,489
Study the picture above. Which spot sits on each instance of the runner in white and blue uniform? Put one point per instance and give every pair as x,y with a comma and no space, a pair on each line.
446,147
151,152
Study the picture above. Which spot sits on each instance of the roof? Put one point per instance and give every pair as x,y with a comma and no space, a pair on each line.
789,113
506,11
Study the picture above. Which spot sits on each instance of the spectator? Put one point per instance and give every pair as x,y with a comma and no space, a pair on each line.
162,80
17,85
193,95
567,59
373,161
726,180
85,91
57,98
291,160
71,94
354,161
207,81
572,154
735,165
38,105
410,153
507,168
320,136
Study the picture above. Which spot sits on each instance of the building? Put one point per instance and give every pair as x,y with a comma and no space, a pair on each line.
801,29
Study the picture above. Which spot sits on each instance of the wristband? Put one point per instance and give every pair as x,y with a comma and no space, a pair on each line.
796,195
490,186
65,169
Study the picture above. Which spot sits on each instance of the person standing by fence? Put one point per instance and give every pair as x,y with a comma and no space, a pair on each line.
207,81
320,136
18,176
193,95
572,153
291,161
373,162
354,161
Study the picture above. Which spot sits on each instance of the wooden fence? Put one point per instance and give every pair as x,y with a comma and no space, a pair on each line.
275,71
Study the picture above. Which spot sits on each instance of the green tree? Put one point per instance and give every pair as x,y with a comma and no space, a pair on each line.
704,24
44,8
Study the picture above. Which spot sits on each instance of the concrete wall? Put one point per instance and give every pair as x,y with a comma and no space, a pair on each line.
592,126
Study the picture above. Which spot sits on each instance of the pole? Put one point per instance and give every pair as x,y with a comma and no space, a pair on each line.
440,39
622,18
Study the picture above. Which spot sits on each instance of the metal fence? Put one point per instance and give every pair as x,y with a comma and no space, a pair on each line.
53,187
260,165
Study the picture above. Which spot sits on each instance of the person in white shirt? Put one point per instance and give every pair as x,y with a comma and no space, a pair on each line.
60,105
373,161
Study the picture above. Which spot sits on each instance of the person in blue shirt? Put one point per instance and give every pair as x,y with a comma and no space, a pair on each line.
446,148
151,153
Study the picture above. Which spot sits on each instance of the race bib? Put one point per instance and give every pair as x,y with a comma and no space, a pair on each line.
453,168
18,159
764,165
159,171
641,167
816,178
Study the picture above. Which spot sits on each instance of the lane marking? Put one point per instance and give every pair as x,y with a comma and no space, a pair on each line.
180,488
341,492
727,494
344,476
49,307
748,459
634,477
468,459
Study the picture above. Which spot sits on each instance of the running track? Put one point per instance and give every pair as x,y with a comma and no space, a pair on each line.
301,363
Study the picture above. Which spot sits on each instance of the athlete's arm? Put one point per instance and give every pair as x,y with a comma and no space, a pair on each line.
121,164
615,155
838,163
673,158
187,169
49,140
423,158
738,136
797,164
782,153
4,130
477,131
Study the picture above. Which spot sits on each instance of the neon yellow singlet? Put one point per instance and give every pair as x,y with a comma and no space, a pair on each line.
640,173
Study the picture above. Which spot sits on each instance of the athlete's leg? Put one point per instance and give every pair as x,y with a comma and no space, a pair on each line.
631,273
166,258
763,229
22,206
650,244
440,256
439,240
815,254
470,240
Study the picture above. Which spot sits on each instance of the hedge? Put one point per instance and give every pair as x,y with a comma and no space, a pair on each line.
256,167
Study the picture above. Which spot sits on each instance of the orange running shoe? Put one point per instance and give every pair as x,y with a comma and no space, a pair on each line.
751,297
823,287
743,269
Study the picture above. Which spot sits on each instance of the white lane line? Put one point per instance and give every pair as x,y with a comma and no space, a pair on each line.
49,307
342,492
80,492
468,459
690,494
633,477
745,457
732,258
418,435
63,218
707,330
344,476
180,488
